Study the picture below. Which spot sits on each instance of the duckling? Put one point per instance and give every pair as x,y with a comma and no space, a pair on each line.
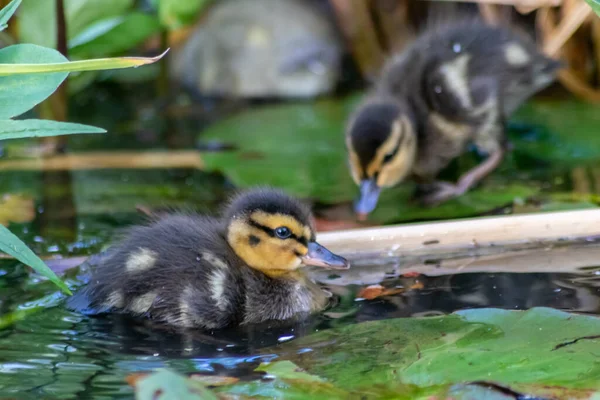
193,271
452,87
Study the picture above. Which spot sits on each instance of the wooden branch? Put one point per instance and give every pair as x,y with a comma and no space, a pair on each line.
567,27
106,160
471,237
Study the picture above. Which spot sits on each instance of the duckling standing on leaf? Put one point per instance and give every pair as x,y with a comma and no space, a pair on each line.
193,271
453,86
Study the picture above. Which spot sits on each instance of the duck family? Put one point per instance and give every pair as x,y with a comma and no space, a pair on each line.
454,86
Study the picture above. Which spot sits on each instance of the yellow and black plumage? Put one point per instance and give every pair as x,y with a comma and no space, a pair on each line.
194,271
455,85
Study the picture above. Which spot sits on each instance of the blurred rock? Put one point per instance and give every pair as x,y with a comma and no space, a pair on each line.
261,48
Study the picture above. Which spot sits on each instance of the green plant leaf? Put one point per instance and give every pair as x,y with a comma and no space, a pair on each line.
18,94
12,245
125,32
595,4
97,64
167,385
37,18
18,129
174,14
8,12
541,346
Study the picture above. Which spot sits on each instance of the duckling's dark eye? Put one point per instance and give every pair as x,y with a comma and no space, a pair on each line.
283,232
388,157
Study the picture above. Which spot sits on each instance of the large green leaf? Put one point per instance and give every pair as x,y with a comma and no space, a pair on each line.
125,32
595,4
540,346
21,93
37,18
8,12
298,147
19,129
12,245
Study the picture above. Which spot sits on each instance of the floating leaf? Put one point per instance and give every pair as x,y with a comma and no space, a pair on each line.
167,385
540,346
18,129
298,147
12,245
8,12
561,133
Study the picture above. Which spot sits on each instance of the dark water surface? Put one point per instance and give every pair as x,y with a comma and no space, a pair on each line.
56,353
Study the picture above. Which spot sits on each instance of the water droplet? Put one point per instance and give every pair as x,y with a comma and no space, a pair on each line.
285,338
456,47
557,290
437,89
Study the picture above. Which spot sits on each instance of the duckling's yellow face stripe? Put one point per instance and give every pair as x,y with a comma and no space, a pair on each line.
254,241
393,160
403,152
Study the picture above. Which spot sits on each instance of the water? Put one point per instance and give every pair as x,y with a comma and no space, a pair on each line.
57,353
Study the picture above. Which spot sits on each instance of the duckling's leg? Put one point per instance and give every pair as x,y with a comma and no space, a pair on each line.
490,138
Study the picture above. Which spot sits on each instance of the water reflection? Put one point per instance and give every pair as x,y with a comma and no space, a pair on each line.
62,354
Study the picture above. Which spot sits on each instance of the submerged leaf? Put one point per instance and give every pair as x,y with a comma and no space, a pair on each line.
16,208
19,129
12,245
167,385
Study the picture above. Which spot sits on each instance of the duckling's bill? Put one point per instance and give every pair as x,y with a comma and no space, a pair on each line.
369,195
319,256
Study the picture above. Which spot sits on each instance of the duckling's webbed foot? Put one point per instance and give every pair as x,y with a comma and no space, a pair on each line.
439,192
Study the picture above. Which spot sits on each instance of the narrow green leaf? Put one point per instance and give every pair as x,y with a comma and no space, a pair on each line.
8,12
18,94
595,4
37,18
129,31
12,245
19,129
85,65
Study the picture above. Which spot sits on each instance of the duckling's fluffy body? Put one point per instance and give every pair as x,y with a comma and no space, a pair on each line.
185,270
454,85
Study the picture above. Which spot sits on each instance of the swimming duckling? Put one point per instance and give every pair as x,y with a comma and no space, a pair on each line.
451,87
194,271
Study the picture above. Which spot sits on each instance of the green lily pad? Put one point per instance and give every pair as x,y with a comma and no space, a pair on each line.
298,147
540,346
564,134
595,4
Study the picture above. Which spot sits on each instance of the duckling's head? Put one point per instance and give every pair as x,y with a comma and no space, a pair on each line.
274,233
382,146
